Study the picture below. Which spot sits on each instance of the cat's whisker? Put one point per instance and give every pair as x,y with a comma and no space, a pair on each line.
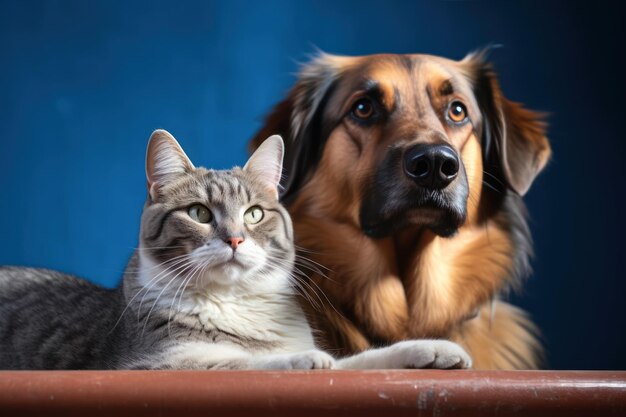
291,272
158,247
195,271
182,283
302,273
296,286
313,269
170,269
315,290
492,187
140,270
316,267
195,276
164,274
170,265
306,250
154,304
299,281
326,297
289,267
300,285
195,280
136,295
192,275
304,258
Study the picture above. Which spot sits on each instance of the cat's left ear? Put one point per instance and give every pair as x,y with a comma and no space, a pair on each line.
266,163
165,160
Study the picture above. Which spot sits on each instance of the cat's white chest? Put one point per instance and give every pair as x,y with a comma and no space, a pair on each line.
269,312
211,312
272,319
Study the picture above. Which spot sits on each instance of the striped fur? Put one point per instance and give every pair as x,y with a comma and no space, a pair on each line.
190,297
184,285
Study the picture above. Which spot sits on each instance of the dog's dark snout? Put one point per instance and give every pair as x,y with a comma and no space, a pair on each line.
431,166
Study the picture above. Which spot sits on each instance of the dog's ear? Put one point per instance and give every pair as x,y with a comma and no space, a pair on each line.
298,119
513,138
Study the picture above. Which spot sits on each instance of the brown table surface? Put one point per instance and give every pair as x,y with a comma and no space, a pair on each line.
301,393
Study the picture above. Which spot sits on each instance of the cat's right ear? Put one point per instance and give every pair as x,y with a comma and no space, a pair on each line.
266,163
165,160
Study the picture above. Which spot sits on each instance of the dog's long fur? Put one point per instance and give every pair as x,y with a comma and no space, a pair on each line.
411,280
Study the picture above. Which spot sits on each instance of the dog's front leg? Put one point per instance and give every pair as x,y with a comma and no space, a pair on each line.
410,354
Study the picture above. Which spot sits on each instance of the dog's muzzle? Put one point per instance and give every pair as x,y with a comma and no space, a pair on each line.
420,185
431,166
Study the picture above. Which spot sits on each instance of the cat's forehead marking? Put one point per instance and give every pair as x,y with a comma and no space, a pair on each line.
223,186
227,189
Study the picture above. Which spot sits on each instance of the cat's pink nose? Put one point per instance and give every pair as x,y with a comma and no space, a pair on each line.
234,242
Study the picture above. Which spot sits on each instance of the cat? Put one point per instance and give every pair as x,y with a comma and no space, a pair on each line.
211,286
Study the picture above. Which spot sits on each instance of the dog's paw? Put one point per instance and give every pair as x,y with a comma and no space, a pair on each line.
435,354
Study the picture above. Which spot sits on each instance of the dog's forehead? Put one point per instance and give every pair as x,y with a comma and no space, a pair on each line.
407,73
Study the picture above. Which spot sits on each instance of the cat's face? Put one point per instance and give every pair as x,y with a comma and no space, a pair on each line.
207,226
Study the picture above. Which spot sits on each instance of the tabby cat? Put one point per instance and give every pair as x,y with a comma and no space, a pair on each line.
211,286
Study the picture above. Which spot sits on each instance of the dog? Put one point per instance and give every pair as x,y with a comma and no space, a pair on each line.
404,175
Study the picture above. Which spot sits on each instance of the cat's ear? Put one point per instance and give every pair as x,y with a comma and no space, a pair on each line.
165,160
266,163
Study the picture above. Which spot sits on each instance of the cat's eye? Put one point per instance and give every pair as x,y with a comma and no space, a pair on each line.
200,213
253,215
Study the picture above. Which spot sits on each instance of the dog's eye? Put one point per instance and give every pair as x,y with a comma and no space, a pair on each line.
363,109
457,112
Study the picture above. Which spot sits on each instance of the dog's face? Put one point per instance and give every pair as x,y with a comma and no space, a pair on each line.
402,123
411,137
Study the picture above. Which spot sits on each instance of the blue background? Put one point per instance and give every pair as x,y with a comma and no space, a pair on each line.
83,83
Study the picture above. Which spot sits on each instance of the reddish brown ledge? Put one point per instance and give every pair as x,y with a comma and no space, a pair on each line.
327,393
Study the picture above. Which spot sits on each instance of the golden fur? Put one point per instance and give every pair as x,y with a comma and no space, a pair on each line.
412,282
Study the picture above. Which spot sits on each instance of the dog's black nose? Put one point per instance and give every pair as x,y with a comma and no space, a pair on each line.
431,166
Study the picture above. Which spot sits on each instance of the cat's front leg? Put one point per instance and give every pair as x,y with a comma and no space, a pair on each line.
411,354
201,356
310,359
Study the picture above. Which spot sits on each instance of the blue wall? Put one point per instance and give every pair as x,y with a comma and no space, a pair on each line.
83,83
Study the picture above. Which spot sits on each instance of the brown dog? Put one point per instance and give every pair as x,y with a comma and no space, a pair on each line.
403,176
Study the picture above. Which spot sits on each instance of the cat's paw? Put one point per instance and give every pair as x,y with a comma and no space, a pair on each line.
311,359
435,354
